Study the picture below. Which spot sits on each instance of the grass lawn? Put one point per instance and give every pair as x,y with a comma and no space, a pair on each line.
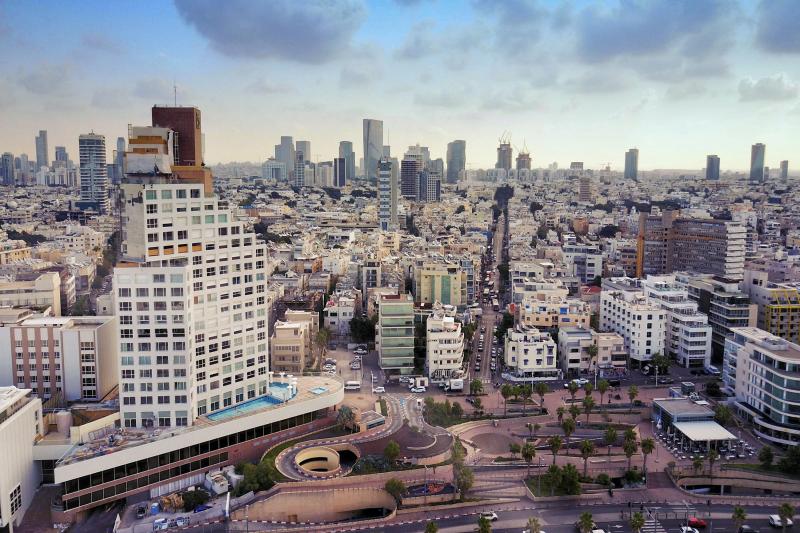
384,408
273,454
533,484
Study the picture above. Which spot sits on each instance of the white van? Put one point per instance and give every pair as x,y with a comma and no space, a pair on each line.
711,370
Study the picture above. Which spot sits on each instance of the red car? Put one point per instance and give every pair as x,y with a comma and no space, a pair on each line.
697,522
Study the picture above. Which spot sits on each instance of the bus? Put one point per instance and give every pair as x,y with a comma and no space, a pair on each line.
495,305
352,385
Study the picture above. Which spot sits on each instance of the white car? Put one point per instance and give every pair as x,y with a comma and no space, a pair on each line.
405,379
687,529
775,521
417,389
489,515
378,390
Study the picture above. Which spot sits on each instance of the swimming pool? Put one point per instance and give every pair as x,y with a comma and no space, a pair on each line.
278,393
319,390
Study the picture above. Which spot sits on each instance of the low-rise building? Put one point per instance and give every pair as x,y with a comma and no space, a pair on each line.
549,312
289,347
340,310
530,354
445,346
40,292
778,304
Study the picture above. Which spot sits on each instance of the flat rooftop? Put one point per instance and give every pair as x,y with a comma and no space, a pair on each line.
676,407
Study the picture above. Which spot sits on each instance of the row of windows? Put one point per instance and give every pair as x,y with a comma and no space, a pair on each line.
43,343
166,194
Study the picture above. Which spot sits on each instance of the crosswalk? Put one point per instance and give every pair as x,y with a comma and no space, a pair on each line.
653,526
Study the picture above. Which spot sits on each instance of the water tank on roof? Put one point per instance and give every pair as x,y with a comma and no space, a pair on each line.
63,422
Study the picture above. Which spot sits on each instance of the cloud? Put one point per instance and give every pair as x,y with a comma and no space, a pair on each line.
597,82
354,77
311,31
685,91
263,87
153,89
101,43
46,79
518,24
516,99
771,88
776,26
419,42
109,99
448,99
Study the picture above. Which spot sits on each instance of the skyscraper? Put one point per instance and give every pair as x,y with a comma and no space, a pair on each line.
7,170
410,167
784,169
712,167
187,138
61,154
757,154
305,147
456,159
373,146
387,199
299,176
284,153
339,172
585,189
346,152
631,164
523,161
94,174
504,156
42,158
429,188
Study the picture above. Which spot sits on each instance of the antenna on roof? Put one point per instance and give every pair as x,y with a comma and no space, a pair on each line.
175,93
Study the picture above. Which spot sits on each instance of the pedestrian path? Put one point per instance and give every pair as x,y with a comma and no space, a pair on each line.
653,526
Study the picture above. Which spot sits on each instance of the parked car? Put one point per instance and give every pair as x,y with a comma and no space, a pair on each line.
687,529
417,389
697,522
747,529
775,521
378,390
490,515
141,511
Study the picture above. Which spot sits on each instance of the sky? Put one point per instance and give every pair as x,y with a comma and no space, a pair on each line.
572,81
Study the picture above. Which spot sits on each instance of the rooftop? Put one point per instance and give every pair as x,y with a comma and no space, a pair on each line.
682,407
704,430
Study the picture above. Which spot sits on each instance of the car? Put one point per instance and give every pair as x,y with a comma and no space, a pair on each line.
405,379
417,389
141,511
378,390
747,529
490,515
775,521
688,529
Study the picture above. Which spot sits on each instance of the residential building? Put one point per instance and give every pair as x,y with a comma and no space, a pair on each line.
289,347
761,370
339,172
339,310
523,160
429,188
631,164
757,156
187,137
551,311
40,292
625,309
440,281
410,167
394,333
373,146
585,261
387,192
784,170
8,174
778,304
574,351
585,189
93,172
456,159
530,354
611,353
299,174
670,242
305,147
712,167
444,342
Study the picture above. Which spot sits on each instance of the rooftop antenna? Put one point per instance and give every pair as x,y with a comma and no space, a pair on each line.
175,93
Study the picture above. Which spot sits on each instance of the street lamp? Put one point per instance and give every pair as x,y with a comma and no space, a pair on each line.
246,522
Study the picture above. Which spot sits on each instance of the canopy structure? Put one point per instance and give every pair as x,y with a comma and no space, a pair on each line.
703,431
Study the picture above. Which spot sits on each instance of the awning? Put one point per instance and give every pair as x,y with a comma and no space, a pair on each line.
704,431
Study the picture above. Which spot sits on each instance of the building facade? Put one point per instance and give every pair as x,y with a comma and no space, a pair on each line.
530,354
625,310
444,342
394,333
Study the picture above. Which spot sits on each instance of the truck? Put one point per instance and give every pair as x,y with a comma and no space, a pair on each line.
454,385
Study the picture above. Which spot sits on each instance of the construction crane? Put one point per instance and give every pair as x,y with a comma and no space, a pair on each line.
505,138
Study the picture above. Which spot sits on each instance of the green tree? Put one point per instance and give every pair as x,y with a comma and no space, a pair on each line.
456,410
554,475
541,389
697,464
506,391
633,392
766,457
463,478
587,450
534,526
738,516
637,522
392,451
602,388
475,387
588,389
648,445
630,434
346,418
570,480
478,405
321,339
786,514
662,362
431,527
514,448
585,522
525,393
528,453
630,448
610,438
560,413
484,525
568,427
574,411
713,455
555,444
723,415
588,405
396,488
573,390
592,351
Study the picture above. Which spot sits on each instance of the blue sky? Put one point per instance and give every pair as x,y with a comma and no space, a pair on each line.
578,80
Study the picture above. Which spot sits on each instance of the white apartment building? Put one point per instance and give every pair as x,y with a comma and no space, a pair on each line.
762,370
73,358
624,309
289,346
190,294
534,288
573,350
688,334
20,426
339,311
530,354
387,196
40,293
444,346
585,261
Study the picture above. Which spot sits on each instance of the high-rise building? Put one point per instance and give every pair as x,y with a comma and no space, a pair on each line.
456,159
631,164
585,189
42,153
784,169
576,166
444,341
410,168
387,208
284,153
339,172
778,304
346,152
94,173
530,353
119,161
373,146
504,156
712,167
299,175
523,160
669,243
8,173
386,151
625,310
305,147
757,154
429,186
273,169
61,154
394,333
187,137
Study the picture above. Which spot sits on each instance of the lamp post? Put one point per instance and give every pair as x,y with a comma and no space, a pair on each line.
246,519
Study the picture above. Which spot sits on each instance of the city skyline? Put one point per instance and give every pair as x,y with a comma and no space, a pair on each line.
683,75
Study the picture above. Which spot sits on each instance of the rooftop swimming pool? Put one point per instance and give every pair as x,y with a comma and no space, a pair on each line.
319,390
278,394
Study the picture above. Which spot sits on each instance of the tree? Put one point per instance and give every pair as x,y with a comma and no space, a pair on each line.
525,393
713,455
697,464
346,418
478,405
637,522
574,411
506,391
648,445
431,527
587,450
541,389
585,522
766,457
528,453
723,415
463,478
555,445
532,429
630,434
321,340
456,410
608,231
630,448
194,498
573,390
633,392
560,413
568,427
363,329
484,525
786,514
514,448
588,389
610,439
592,350
396,488
588,405
739,516
534,526
570,480
392,451
602,388
712,389
475,387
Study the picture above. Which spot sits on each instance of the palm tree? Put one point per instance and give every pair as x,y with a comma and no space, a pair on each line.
528,453
637,522
506,391
568,426
786,513
560,413
525,393
587,450
633,392
574,411
321,340
514,448
573,390
541,389
602,388
630,448
738,517
588,389
610,439
588,405
697,464
475,387
592,351
431,527
648,445
585,522
712,458
484,526
630,434
534,526
516,390
555,443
